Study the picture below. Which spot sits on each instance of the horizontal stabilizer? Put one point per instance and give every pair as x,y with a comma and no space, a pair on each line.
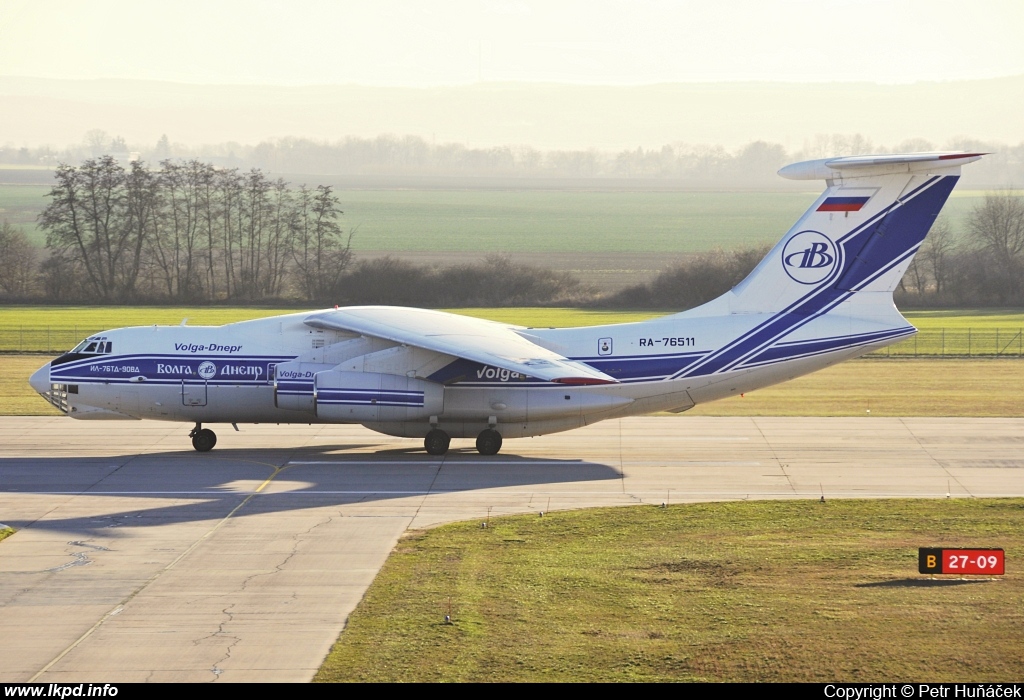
887,164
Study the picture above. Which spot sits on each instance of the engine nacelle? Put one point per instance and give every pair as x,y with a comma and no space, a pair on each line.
360,397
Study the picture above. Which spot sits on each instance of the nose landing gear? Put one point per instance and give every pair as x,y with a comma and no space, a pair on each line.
203,439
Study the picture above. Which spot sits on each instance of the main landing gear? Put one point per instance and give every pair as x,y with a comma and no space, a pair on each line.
203,439
437,441
488,442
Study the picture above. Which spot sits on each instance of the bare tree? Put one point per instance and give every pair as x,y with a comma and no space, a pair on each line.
938,254
84,220
320,250
998,227
97,141
17,262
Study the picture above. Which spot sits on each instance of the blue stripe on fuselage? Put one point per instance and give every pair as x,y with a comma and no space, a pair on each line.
158,368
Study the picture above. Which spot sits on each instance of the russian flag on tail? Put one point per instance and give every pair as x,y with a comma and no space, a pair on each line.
843,203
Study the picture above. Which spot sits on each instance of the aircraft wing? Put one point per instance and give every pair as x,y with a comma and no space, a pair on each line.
474,339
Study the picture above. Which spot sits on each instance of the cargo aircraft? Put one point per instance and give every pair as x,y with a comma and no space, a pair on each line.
822,295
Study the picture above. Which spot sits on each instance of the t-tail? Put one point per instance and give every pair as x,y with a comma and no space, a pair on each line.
827,285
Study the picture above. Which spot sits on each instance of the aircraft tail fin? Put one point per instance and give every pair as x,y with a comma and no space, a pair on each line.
860,235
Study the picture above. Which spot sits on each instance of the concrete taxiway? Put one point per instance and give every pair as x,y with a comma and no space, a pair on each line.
138,559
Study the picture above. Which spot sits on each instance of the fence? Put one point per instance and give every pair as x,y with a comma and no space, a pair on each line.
932,343
959,342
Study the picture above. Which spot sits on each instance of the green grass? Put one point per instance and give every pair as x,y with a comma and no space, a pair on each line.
583,222
17,398
748,591
880,387
5,532
20,205
106,317
962,319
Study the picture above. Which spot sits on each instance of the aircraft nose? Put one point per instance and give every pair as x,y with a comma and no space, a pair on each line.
40,379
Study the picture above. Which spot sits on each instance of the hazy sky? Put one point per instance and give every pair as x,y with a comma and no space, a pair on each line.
417,43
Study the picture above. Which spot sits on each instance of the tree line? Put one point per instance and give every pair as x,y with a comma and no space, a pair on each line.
188,232
754,164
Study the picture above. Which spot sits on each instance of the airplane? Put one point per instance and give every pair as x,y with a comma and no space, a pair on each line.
822,295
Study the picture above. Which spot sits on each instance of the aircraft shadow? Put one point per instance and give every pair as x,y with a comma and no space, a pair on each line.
196,487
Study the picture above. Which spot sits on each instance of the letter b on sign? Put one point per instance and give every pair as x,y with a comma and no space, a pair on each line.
929,561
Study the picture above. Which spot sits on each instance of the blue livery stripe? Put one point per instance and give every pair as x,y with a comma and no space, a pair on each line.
795,350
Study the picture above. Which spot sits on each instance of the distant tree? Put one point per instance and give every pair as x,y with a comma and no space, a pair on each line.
177,245
938,253
83,224
163,149
97,141
914,145
17,262
692,282
997,226
321,251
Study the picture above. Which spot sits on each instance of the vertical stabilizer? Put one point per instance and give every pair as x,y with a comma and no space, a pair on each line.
827,286
860,235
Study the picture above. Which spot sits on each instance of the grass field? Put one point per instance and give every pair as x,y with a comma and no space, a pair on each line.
536,221
748,591
20,205
90,318
904,387
5,532
104,317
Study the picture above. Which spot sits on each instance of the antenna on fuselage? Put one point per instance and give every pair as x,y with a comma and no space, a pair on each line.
184,321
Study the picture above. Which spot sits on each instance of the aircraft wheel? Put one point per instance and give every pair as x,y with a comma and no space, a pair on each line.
488,442
204,440
436,442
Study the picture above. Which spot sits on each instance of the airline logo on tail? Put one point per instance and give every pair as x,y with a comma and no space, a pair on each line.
809,257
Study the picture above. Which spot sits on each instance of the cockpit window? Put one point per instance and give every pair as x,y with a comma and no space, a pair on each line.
94,347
